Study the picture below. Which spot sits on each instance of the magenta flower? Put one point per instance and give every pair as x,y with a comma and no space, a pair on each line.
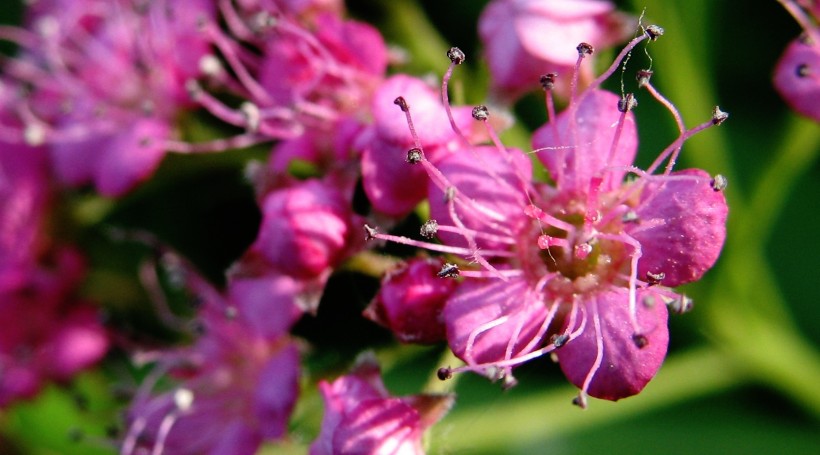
797,74
524,39
582,267
361,417
410,301
297,74
111,135
48,332
235,387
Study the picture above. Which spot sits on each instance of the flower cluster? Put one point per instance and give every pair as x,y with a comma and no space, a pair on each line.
581,264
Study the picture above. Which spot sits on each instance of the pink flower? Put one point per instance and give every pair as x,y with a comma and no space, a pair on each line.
307,229
235,387
410,301
797,74
295,74
48,332
361,417
524,39
111,135
582,267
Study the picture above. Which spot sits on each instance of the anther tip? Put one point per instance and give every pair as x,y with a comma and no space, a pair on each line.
585,49
414,155
654,31
718,116
548,81
444,373
401,103
481,112
456,55
370,232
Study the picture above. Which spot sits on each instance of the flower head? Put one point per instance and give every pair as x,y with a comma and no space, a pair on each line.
582,266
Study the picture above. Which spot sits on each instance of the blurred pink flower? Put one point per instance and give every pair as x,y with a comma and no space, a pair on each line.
362,417
48,332
797,74
524,39
110,134
235,387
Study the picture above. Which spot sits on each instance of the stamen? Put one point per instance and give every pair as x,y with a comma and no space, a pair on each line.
456,57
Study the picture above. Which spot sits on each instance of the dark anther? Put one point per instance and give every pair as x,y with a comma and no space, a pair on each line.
448,270
630,217
654,278
580,402
654,31
627,103
449,194
413,155
640,340
585,49
444,373
718,116
429,229
681,305
803,70
481,112
369,232
643,77
456,55
559,340
508,382
548,80
719,183
402,103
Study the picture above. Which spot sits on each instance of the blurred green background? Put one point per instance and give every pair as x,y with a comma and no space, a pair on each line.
743,373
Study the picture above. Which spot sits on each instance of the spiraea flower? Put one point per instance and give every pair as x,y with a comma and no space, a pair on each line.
524,39
48,331
101,84
295,73
362,417
232,389
797,74
581,267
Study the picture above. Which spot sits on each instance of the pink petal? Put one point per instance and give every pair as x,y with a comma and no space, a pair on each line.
692,218
514,311
379,426
495,181
276,392
590,154
625,368
131,156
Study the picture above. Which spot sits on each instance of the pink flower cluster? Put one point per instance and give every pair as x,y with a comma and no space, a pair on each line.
510,268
